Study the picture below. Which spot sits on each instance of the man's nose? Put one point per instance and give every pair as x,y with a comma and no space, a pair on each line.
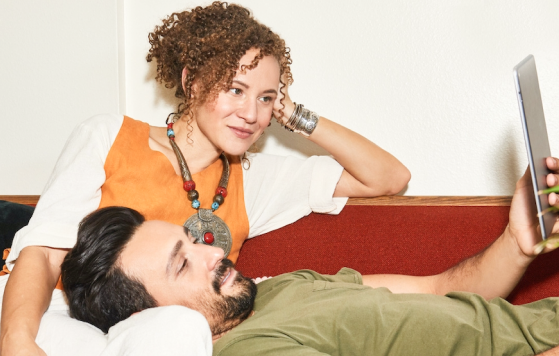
211,255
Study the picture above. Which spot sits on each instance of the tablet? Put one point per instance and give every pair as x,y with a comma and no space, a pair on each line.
535,136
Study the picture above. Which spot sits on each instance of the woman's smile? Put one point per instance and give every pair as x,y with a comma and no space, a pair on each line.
241,132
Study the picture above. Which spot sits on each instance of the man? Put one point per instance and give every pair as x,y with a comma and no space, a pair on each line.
107,278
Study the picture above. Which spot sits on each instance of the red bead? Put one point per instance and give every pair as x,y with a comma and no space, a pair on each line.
189,185
222,191
170,126
209,238
172,138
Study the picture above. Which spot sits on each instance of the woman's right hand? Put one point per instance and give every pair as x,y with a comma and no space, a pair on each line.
17,347
26,298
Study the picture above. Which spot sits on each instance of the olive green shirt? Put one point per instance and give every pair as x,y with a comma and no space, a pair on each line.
306,313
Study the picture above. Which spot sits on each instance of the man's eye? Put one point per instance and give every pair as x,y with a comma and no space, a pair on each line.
183,266
236,91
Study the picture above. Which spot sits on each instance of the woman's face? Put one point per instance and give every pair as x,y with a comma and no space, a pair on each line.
237,118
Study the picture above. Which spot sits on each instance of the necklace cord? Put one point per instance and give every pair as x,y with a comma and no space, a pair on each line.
185,172
206,227
189,185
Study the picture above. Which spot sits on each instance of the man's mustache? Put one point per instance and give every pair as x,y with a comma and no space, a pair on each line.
220,272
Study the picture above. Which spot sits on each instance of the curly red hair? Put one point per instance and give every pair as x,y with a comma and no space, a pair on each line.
209,42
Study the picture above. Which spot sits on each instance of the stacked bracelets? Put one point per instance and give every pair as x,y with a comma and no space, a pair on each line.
302,121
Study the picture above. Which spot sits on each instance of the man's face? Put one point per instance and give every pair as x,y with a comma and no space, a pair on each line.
176,271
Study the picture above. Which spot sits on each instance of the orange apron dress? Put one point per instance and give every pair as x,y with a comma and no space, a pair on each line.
139,178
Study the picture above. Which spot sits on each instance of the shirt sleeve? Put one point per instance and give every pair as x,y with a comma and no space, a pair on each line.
344,275
280,190
267,346
73,189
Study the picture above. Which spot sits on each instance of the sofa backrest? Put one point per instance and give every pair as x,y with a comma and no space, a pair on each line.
416,240
399,234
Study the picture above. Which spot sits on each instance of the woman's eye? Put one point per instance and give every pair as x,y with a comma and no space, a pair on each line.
236,91
266,99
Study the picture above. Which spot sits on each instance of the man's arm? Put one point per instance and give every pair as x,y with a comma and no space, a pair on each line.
495,271
491,273
552,352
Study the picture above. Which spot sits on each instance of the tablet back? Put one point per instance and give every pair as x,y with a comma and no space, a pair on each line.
535,136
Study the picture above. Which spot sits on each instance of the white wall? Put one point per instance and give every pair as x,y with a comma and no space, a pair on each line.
58,66
430,81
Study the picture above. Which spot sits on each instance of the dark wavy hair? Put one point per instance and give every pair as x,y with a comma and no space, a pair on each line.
98,290
209,42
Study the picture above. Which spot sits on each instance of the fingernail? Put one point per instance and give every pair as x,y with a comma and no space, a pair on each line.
551,198
538,249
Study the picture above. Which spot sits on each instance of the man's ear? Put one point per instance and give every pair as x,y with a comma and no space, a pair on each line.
183,81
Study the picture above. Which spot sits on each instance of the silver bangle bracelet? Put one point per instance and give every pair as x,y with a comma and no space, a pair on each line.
302,121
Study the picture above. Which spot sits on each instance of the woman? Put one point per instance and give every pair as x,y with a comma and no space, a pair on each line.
231,74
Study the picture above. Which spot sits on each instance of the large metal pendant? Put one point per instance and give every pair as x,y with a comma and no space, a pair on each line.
204,221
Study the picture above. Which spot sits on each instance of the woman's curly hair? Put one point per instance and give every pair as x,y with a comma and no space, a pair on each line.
209,42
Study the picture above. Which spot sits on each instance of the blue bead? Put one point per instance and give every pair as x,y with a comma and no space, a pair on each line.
170,132
215,205
195,204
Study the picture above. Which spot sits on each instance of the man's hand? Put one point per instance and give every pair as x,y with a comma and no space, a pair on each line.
523,222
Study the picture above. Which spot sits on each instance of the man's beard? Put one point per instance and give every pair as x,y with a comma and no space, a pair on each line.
226,312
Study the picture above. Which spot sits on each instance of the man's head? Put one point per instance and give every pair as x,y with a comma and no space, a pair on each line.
122,264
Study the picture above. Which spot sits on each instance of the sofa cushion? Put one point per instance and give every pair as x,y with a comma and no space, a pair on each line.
13,217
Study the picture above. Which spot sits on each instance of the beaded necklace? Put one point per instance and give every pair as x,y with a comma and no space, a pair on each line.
204,226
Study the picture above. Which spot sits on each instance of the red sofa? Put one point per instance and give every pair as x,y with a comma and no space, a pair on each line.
416,240
406,235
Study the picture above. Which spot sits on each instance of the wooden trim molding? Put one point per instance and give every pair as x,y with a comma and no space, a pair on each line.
434,200
387,200
22,199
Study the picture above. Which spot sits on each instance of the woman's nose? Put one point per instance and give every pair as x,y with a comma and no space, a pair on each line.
248,111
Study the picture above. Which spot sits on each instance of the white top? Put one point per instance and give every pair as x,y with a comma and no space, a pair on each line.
277,190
